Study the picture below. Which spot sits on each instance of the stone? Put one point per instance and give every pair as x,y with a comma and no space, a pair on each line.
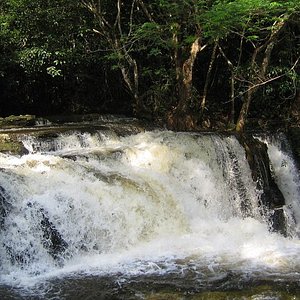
10,144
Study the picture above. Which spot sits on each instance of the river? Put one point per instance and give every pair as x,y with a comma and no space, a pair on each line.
118,212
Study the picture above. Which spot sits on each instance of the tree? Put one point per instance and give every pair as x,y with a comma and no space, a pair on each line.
60,53
261,56
259,25
139,34
176,32
45,42
114,24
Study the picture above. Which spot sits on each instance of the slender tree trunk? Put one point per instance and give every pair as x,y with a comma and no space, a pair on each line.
132,83
130,74
240,125
145,10
254,85
295,107
208,76
232,85
232,98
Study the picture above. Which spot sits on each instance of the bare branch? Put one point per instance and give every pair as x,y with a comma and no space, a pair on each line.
118,18
96,10
230,64
145,10
131,17
255,86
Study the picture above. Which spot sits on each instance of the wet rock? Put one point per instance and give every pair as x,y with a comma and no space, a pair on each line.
271,200
19,258
10,144
52,239
278,221
246,206
17,121
5,206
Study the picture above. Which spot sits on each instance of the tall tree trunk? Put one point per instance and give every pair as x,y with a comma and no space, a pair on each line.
208,76
184,77
132,83
240,125
130,73
180,118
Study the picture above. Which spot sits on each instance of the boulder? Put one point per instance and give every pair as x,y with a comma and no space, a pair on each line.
271,200
10,144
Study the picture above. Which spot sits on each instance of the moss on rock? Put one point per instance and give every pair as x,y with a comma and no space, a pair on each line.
17,121
10,144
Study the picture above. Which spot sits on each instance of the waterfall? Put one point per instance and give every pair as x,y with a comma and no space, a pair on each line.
286,176
150,202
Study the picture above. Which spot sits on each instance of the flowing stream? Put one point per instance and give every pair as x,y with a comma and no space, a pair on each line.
143,213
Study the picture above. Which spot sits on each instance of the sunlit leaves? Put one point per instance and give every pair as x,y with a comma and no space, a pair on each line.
248,16
53,71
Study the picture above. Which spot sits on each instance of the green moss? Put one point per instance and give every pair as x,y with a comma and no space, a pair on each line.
17,121
9,144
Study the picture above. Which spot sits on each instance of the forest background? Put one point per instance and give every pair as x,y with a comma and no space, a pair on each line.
188,64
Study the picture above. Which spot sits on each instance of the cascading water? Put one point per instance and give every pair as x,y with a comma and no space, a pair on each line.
152,203
286,176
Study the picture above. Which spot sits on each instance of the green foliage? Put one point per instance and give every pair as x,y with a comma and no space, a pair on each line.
248,17
44,46
48,42
53,71
45,33
285,88
33,59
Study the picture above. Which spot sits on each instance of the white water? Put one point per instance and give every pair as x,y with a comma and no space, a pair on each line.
150,203
287,177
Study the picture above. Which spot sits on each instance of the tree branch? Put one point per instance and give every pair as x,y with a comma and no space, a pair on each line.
131,17
118,18
145,10
254,86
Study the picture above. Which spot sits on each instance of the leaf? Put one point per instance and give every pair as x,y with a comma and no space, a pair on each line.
52,71
190,39
154,52
252,37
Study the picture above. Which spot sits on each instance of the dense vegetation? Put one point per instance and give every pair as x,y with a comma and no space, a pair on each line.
189,64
